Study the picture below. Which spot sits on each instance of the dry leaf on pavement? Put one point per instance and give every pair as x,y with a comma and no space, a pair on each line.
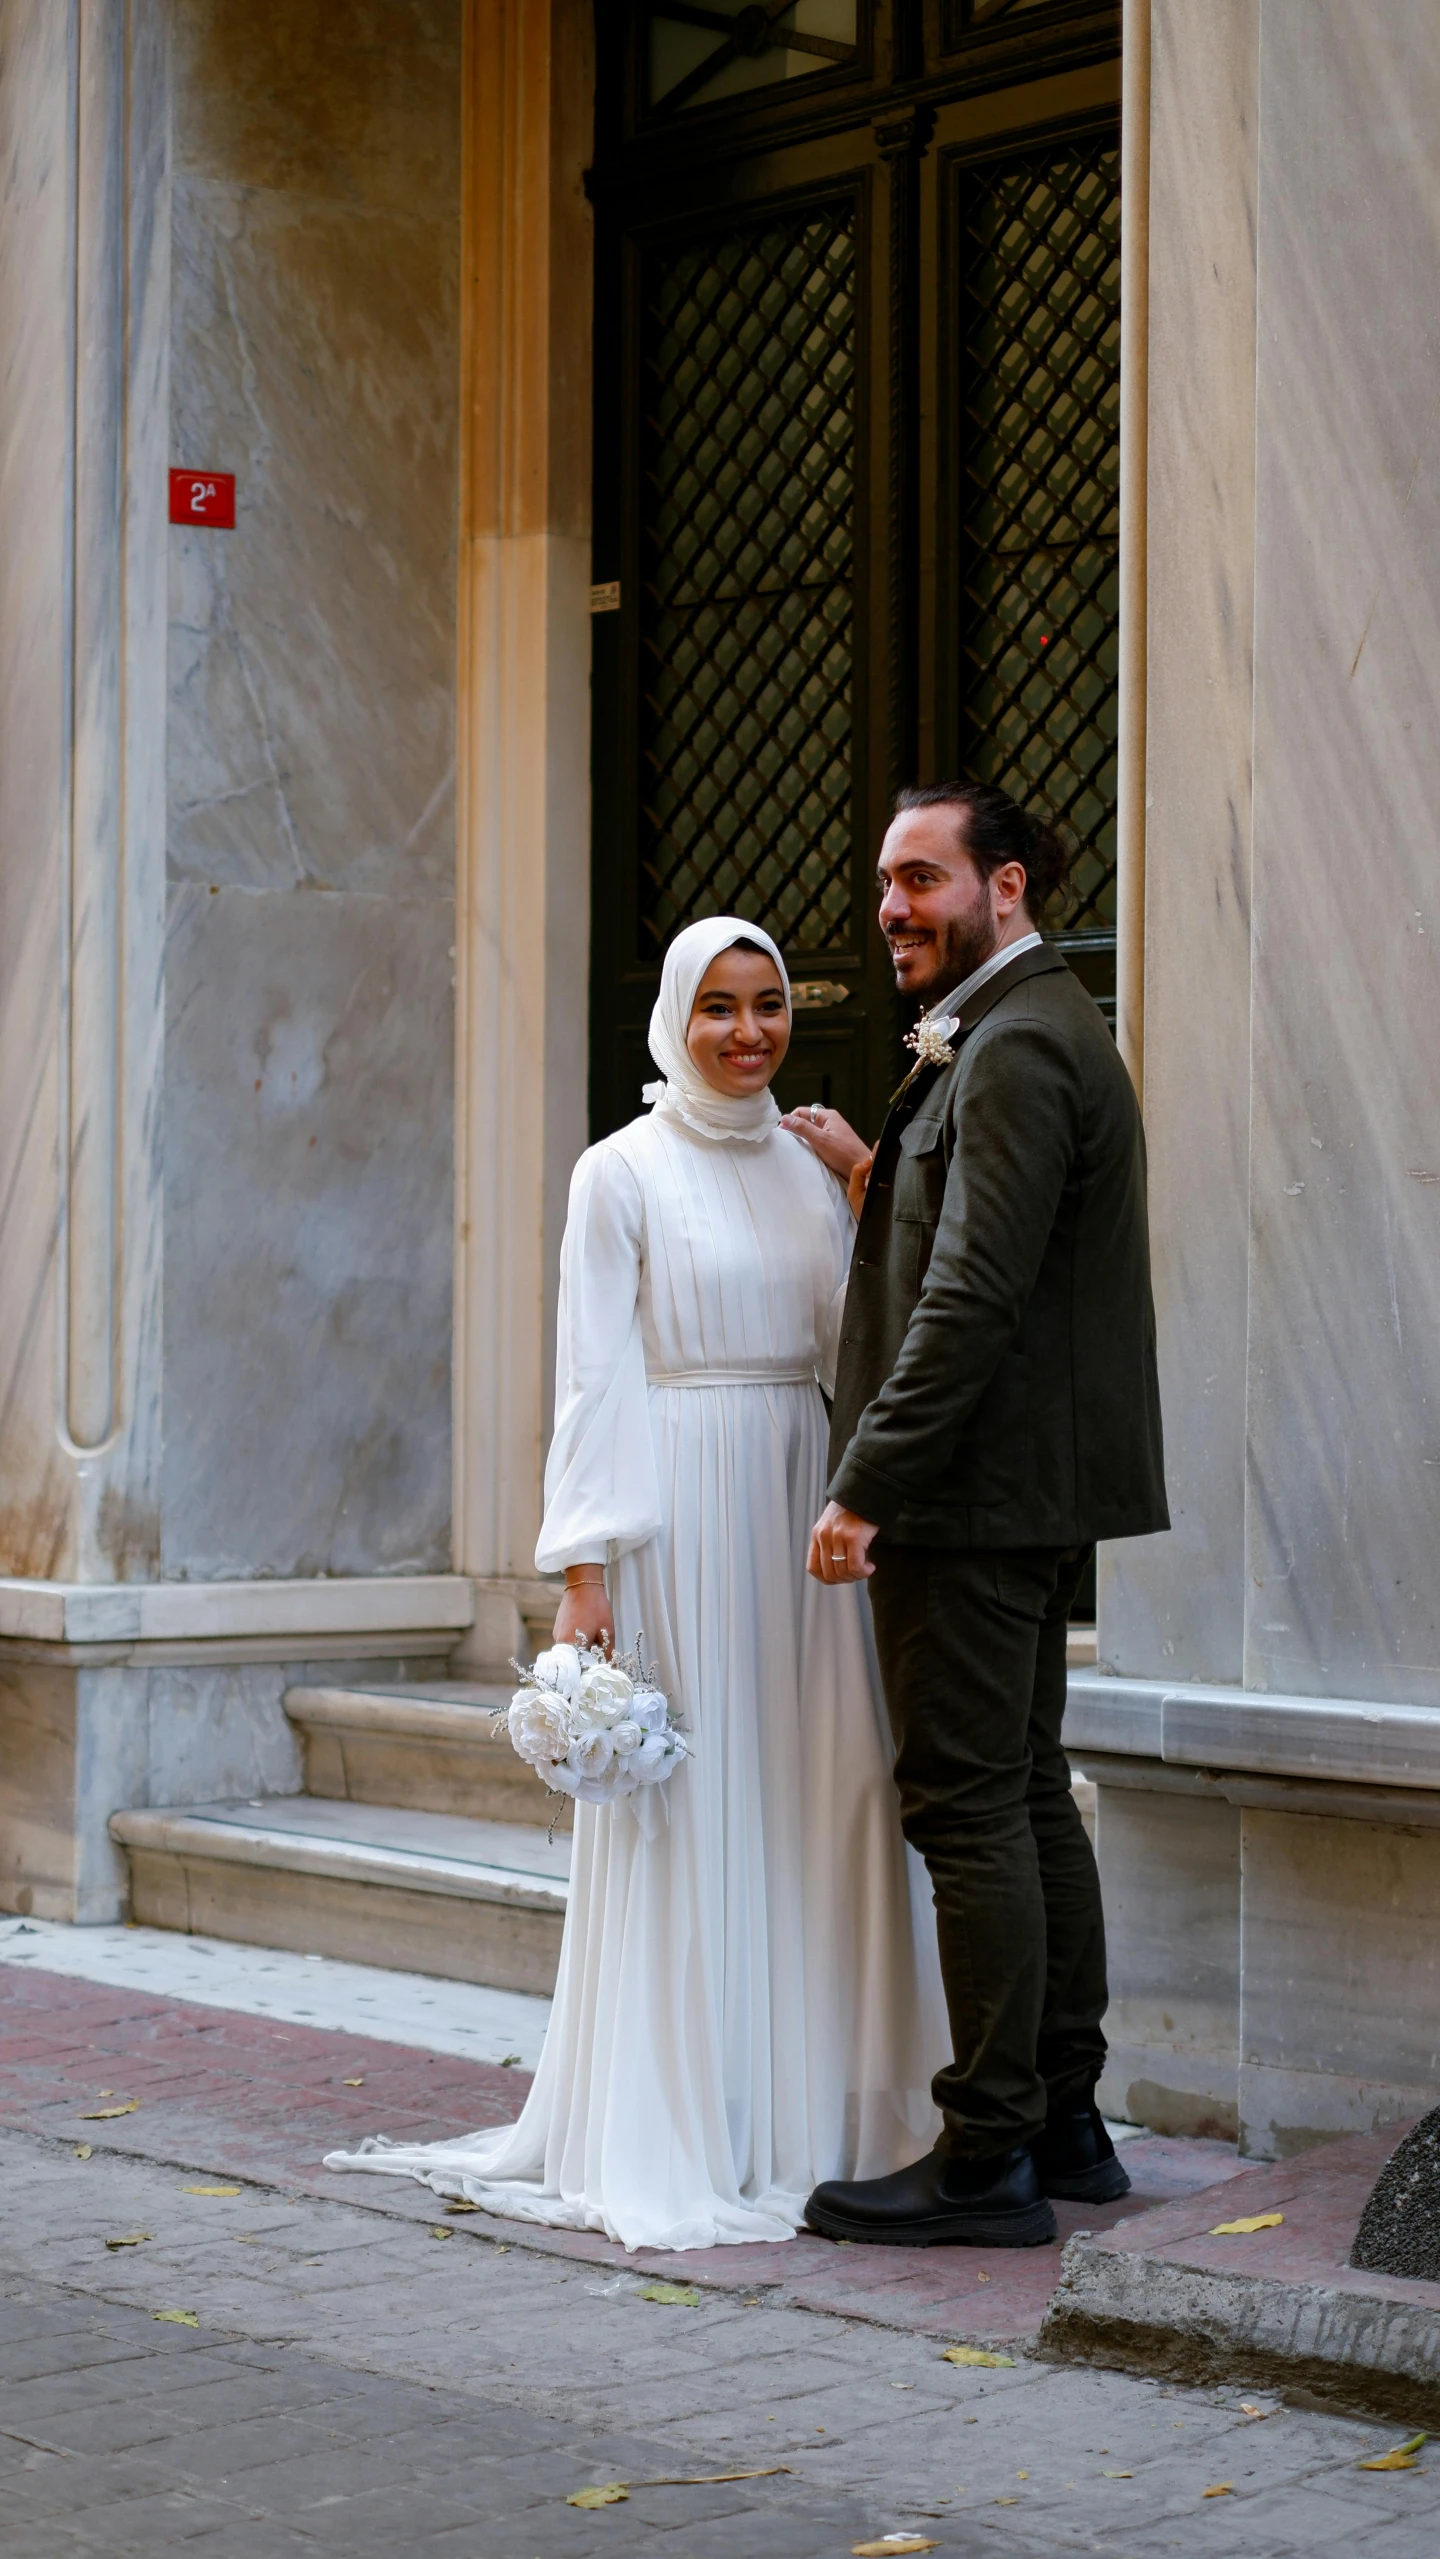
1117,2474
84,2150
441,2230
107,2114
210,2190
1242,2229
352,2083
1402,2458
133,2239
178,2318
461,2207
615,2494
892,2543
1222,2488
670,2296
976,2355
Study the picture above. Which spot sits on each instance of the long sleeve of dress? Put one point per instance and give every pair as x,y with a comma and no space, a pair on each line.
602,1493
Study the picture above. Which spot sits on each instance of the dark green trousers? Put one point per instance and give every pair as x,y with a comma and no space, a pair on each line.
972,1653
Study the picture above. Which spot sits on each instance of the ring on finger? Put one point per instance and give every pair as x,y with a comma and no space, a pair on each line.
815,1114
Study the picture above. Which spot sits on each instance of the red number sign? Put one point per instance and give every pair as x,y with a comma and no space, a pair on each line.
203,497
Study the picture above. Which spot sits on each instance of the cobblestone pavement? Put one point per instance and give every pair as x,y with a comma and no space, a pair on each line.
351,2381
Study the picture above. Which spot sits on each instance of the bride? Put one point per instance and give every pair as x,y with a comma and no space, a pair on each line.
748,1997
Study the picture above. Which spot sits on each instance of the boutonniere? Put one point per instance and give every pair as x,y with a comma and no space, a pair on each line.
930,1041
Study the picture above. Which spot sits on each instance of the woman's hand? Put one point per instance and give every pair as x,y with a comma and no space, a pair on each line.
831,1137
584,1616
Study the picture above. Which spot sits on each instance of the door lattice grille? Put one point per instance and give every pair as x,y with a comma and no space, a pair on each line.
747,650
1040,329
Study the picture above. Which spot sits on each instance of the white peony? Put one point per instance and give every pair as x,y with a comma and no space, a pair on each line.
652,1759
605,1692
591,1755
625,1737
649,1709
539,1727
559,1668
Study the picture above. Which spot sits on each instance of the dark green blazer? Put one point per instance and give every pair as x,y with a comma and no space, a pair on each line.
997,1381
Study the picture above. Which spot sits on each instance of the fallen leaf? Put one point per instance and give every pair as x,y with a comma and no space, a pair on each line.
1117,2474
441,2230
107,2114
133,2239
210,2190
976,2355
1402,2458
615,2494
1222,2488
1252,2408
178,2318
107,2092
1005,2501
84,2150
510,2061
893,2541
982,2279
462,2208
670,2296
352,2083
1242,2229
1022,2474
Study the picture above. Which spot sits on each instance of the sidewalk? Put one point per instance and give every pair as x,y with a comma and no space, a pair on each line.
347,2382
247,2096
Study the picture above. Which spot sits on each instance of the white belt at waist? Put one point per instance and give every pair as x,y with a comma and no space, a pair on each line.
731,1377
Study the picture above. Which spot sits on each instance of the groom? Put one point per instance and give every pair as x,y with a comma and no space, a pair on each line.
996,1411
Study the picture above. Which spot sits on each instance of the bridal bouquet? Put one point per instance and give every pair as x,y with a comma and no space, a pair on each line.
593,1724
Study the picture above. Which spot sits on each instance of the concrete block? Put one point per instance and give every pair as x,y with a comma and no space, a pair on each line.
1340,2018
1170,1875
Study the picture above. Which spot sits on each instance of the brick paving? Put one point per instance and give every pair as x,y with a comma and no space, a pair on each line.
256,2099
351,2381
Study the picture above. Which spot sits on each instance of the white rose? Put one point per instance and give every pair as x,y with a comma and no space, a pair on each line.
561,1779
652,1759
649,1710
539,1727
605,1692
625,1737
590,1755
559,1668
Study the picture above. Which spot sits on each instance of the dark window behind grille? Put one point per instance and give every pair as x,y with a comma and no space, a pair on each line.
746,637
1039,479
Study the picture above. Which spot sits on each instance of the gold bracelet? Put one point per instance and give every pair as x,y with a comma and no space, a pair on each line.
586,1580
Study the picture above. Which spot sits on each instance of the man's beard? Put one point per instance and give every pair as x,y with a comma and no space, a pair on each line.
962,944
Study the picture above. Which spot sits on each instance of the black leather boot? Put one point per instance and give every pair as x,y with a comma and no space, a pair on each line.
977,2203
1075,2158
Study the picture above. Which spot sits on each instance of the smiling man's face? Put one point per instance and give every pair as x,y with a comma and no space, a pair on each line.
941,917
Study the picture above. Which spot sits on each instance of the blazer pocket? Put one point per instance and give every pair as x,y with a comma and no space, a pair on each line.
920,1172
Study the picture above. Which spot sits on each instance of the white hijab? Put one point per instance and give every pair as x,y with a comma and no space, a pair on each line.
685,1095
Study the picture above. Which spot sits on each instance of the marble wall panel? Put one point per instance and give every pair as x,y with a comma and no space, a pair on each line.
1172,1606
308,1245
309,1122
1343,1497
1340,2009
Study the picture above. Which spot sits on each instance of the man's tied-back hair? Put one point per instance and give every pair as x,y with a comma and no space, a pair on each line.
995,829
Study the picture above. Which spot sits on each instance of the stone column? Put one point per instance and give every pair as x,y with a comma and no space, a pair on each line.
524,759
84,340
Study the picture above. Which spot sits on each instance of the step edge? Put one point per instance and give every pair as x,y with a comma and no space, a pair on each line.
183,1833
360,1711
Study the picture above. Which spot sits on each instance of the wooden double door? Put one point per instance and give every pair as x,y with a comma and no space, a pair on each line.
857,363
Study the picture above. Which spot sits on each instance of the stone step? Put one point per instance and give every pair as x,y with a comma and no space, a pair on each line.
423,1892
428,1746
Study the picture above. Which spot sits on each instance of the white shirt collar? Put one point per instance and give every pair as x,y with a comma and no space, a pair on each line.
948,1009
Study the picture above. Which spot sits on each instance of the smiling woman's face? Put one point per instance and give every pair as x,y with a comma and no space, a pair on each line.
738,1031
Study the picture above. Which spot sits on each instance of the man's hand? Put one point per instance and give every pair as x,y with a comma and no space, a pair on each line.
840,1543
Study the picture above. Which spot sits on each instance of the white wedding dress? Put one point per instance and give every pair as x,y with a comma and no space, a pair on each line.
749,1994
